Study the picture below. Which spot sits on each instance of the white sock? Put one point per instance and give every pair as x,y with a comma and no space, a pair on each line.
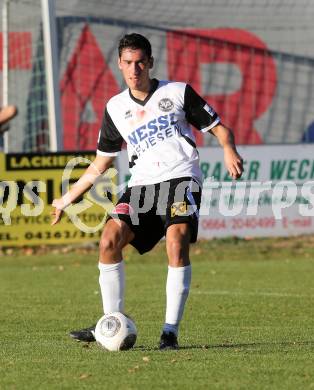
177,290
112,284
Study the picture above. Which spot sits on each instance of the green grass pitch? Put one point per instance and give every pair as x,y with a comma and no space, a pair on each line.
248,324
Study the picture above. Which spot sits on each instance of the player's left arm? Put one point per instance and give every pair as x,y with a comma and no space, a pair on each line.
233,161
202,116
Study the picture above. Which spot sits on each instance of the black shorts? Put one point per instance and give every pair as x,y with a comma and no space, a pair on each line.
149,210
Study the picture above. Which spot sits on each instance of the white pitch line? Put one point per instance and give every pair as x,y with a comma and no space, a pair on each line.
255,293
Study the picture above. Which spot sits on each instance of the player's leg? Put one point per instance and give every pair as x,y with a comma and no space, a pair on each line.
178,245
178,282
115,236
182,226
119,231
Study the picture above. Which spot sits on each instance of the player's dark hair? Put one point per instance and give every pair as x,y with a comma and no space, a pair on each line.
135,41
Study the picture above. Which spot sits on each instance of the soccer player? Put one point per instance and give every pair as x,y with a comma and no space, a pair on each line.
163,195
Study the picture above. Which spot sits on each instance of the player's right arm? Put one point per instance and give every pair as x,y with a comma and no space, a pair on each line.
95,169
108,147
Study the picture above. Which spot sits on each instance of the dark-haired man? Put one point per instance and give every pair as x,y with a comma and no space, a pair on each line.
163,196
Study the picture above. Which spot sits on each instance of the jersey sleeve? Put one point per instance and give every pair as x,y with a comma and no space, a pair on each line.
197,112
109,140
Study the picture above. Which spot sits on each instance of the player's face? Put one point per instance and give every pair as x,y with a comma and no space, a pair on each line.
135,66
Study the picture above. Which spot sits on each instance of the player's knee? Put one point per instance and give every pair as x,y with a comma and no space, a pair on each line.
109,243
114,237
178,253
175,248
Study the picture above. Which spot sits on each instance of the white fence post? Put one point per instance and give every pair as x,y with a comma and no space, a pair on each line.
5,65
52,74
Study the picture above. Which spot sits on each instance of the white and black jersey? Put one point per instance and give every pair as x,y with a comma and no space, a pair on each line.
160,141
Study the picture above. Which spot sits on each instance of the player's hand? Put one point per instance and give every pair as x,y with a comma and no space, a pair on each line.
234,162
58,205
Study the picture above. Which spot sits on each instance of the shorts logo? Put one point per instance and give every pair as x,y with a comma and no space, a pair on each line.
179,209
165,104
123,208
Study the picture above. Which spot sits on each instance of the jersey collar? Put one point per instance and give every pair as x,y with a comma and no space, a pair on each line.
154,86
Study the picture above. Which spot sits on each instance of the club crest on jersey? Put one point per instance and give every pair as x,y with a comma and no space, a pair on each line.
165,104
179,208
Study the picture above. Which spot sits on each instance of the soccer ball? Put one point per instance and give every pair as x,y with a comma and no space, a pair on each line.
115,332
